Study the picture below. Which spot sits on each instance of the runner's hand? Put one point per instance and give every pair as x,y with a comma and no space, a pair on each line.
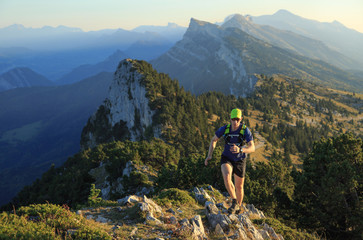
234,149
206,160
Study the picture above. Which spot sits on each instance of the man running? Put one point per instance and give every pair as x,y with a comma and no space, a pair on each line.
233,159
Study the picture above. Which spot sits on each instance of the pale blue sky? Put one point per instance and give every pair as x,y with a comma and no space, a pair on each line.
128,14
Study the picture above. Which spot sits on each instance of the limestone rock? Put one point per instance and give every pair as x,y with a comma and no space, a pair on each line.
128,169
173,220
198,228
211,208
202,196
250,227
102,219
241,232
129,200
264,234
152,205
219,230
171,211
271,232
151,218
254,211
220,219
184,224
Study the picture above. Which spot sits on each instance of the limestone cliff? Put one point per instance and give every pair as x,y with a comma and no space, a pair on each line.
205,61
125,114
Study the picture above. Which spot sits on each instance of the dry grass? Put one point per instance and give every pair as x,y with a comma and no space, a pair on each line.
339,104
359,95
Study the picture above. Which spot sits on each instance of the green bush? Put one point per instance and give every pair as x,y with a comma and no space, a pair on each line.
47,221
95,201
18,227
287,232
136,180
175,196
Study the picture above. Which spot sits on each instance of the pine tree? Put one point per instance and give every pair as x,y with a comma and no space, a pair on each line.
330,191
93,199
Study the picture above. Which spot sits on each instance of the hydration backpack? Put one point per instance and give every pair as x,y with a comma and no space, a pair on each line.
227,135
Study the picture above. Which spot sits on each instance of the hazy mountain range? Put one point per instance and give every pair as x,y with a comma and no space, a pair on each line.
88,70
42,125
335,35
294,42
62,37
54,52
225,58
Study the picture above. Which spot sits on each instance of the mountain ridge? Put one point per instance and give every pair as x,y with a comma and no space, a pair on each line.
22,77
308,47
107,65
335,38
213,58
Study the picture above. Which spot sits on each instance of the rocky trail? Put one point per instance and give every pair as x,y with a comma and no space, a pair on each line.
138,217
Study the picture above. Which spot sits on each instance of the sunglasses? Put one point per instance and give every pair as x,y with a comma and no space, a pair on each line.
236,119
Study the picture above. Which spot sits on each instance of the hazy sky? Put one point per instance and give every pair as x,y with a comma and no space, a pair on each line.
128,14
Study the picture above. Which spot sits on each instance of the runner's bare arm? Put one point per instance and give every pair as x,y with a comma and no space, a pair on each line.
212,146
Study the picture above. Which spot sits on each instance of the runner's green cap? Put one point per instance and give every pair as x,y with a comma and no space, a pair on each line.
236,113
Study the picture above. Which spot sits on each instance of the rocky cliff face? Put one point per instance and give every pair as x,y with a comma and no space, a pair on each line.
203,61
125,114
127,100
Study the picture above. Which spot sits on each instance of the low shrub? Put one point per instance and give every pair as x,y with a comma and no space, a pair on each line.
48,221
175,196
19,227
287,232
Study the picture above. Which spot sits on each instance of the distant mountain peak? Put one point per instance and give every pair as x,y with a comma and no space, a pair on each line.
286,15
249,18
196,22
237,20
337,24
238,17
334,34
197,25
16,27
61,28
172,25
283,12
22,77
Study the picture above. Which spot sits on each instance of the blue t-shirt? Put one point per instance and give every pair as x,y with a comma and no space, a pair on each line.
234,138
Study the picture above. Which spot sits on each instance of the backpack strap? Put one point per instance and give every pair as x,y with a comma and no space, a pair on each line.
228,129
242,131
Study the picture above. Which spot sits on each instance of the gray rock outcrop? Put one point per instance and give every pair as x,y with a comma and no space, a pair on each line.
238,226
125,113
